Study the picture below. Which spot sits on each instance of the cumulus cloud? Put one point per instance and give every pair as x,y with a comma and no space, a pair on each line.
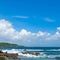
55,36
6,29
24,37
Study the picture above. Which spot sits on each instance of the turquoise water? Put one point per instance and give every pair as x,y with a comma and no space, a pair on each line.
48,51
39,59
43,58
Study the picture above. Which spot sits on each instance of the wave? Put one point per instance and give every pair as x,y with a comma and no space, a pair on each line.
34,50
41,55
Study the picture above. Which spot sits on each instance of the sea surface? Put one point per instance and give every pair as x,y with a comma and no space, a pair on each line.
45,53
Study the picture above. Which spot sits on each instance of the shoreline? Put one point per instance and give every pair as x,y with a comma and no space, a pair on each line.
32,54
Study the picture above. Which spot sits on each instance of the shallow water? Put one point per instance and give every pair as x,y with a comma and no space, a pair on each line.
39,59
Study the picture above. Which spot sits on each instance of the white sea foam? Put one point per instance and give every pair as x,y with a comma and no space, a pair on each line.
28,55
11,51
19,51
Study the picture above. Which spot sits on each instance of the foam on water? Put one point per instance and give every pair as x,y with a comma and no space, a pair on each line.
42,54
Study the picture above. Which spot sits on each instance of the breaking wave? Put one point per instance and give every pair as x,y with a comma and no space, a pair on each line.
41,54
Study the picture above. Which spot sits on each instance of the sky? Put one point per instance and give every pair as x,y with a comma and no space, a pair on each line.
30,22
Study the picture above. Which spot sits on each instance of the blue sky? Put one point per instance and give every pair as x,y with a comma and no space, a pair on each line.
32,16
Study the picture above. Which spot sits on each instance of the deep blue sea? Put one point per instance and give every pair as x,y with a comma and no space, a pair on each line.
46,53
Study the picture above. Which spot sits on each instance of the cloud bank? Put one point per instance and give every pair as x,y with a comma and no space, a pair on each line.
27,38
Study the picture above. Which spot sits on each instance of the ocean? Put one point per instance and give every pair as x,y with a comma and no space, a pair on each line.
28,53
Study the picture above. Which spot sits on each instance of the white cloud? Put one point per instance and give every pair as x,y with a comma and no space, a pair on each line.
58,28
49,20
55,36
40,33
6,29
24,37
24,17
